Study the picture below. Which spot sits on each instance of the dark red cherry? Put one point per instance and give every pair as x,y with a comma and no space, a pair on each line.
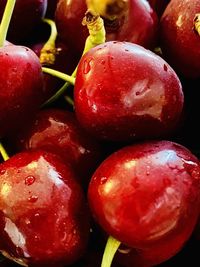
138,24
21,87
43,215
59,132
26,16
178,36
147,197
123,92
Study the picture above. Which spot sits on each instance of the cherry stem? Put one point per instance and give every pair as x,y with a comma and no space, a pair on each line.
3,152
48,52
111,248
97,35
109,9
59,75
197,23
5,22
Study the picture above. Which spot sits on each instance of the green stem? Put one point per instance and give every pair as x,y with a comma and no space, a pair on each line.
59,75
59,93
3,153
111,248
5,22
69,100
197,23
48,52
97,35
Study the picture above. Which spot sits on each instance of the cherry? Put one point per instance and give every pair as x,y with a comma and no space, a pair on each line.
27,14
21,88
138,24
124,92
179,35
59,132
43,215
147,197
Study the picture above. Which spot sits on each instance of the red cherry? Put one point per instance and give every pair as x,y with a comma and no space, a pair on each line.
178,36
21,87
43,216
123,92
138,24
147,197
59,132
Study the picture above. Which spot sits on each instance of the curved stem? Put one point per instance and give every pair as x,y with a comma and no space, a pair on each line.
97,35
197,23
109,9
5,22
3,153
59,93
69,100
59,75
111,248
48,52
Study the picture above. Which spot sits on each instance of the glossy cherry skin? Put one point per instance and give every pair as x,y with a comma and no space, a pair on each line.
124,92
147,196
178,36
138,24
26,16
21,87
43,215
59,132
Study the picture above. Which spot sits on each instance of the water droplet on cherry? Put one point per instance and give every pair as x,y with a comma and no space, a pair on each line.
2,171
33,199
103,180
87,66
29,180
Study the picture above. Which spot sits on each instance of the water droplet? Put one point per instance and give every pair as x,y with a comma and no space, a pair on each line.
103,180
87,66
2,171
165,67
27,221
196,173
37,215
33,199
29,180
148,170
36,238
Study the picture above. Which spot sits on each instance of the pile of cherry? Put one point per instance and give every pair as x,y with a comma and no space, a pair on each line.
99,163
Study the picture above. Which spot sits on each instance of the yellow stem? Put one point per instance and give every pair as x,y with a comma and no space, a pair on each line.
48,52
59,74
111,248
3,152
197,23
109,9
